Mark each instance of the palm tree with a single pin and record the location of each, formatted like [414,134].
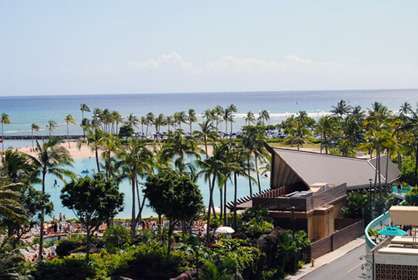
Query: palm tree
[212,171]
[83,108]
[169,122]
[341,109]
[116,120]
[51,158]
[149,121]
[206,132]
[4,119]
[143,121]
[298,128]
[326,127]
[109,144]
[10,207]
[217,114]
[253,140]
[409,126]
[177,148]
[69,119]
[51,126]
[239,168]
[263,117]
[136,161]
[93,139]
[250,118]
[191,118]
[133,121]
[158,122]
[34,127]
[231,109]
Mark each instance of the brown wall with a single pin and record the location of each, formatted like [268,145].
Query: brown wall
[336,240]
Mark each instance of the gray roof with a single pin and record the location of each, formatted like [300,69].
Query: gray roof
[314,168]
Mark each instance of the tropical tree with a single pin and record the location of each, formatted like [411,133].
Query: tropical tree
[250,118]
[83,108]
[253,140]
[94,201]
[409,128]
[341,109]
[263,117]
[158,122]
[178,147]
[109,144]
[10,206]
[51,126]
[191,118]
[4,119]
[136,160]
[69,119]
[326,127]
[298,128]
[34,127]
[94,138]
[149,121]
[207,132]
[51,158]
[116,120]
[174,195]
[211,169]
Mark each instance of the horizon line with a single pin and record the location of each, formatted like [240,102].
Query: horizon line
[208,92]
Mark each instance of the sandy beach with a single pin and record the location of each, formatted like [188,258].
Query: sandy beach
[76,151]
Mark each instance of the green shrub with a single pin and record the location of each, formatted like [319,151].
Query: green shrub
[151,261]
[74,268]
[67,246]
[116,237]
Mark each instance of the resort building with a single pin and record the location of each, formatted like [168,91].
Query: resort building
[396,257]
[308,189]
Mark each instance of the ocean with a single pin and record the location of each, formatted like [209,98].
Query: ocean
[25,110]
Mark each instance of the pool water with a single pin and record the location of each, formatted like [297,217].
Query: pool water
[53,187]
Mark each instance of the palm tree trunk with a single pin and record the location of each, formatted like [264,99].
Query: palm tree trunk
[221,207]
[209,208]
[97,158]
[190,128]
[2,141]
[32,141]
[387,167]
[206,146]
[224,205]
[68,135]
[416,164]
[235,199]
[41,233]
[249,178]
[258,174]
[133,214]
[82,119]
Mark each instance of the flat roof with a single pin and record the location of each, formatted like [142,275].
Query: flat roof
[404,215]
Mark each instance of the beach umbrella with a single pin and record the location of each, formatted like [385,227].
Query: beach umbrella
[224,230]
[392,231]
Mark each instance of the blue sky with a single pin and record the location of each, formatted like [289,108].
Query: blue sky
[94,47]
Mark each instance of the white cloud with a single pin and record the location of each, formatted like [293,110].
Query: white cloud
[245,65]
[165,60]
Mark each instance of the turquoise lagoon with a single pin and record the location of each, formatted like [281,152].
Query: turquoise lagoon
[54,186]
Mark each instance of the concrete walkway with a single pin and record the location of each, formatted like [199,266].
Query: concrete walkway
[326,259]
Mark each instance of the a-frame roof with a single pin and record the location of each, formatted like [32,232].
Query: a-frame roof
[315,168]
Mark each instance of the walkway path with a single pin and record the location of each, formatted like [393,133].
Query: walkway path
[342,264]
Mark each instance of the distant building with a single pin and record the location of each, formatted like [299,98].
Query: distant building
[308,189]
